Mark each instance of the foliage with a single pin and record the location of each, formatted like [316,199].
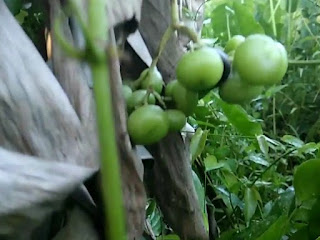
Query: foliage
[256,163]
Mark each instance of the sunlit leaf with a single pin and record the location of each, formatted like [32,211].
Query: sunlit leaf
[156,222]
[250,204]
[308,148]
[198,142]
[294,141]
[263,144]
[211,163]
[258,159]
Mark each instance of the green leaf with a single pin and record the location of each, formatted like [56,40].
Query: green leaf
[270,228]
[200,191]
[151,208]
[276,230]
[271,91]
[250,204]
[21,16]
[228,235]
[229,178]
[14,6]
[308,148]
[294,141]
[169,237]
[263,144]
[301,234]
[247,23]
[239,118]
[211,163]
[156,222]
[258,160]
[198,143]
[306,180]
[314,220]
[284,204]
[219,22]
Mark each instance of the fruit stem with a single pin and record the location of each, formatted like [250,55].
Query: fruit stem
[110,167]
[174,13]
[189,32]
[146,97]
[167,99]
[159,98]
[174,26]
[165,38]
[136,84]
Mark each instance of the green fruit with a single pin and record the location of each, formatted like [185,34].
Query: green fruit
[152,78]
[200,70]
[235,90]
[169,87]
[184,100]
[148,124]
[177,120]
[260,60]
[231,54]
[283,52]
[137,98]
[126,92]
[234,43]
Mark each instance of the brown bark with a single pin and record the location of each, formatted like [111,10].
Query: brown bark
[172,175]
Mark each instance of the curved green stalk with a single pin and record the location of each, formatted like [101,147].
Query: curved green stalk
[273,19]
[110,167]
[64,44]
[304,62]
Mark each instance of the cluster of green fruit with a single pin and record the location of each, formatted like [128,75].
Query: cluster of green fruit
[258,61]
[148,123]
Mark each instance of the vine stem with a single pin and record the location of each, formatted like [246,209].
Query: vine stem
[165,38]
[228,26]
[175,25]
[289,25]
[274,28]
[274,115]
[304,62]
[270,166]
[110,169]
[272,13]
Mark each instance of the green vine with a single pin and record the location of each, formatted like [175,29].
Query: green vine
[96,56]
[110,167]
